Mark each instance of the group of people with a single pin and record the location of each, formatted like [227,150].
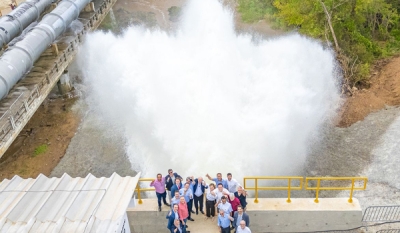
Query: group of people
[226,195]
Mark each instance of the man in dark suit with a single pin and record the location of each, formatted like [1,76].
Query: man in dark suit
[199,187]
[239,216]
[170,181]
[171,216]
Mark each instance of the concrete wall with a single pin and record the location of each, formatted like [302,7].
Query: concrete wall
[304,215]
[269,215]
[146,218]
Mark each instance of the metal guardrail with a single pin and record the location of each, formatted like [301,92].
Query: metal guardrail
[138,189]
[298,179]
[289,186]
[381,214]
[350,188]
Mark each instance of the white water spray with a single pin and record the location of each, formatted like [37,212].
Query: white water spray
[206,100]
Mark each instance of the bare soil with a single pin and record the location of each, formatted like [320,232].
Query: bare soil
[384,91]
[52,126]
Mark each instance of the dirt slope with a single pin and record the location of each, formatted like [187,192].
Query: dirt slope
[384,90]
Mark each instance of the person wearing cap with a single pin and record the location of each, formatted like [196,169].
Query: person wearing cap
[187,193]
[219,180]
[224,221]
[159,185]
[170,181]
[240,216]
[243,228]
[232,183]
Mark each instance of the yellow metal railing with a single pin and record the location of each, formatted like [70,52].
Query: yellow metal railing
[257,187]
[351,188]
[298,179]
[138,189]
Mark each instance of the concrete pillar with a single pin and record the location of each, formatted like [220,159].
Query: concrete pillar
[64,84]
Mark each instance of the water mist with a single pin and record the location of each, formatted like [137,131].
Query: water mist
[207,100]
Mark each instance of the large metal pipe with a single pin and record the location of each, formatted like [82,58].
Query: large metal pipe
[16,21]
[19,59]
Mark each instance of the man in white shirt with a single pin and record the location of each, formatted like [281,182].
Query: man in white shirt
[221,191]
[242,228]
[232,183]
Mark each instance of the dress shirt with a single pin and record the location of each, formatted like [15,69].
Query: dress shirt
[174,201]
[232,185]
[227,207]
[188,195]
[239,218]
[224,221]
[223,182]
[176,215]
[158,185]
[198,192]
[211,197]
[220,194]
[245,230]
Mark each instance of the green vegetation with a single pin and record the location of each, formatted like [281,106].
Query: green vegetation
[360,31]
[40,150]
[174,13]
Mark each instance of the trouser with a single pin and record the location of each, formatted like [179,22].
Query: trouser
[226,230]
[163,196]
[198,200]
[169,195]
[190,204]
[210,208]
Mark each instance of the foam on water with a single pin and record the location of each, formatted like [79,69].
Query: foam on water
[207,100]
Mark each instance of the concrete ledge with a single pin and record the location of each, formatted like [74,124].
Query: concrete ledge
[269,215]
[303,214]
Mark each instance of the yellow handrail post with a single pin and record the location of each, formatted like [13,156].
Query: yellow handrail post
[256,190]
[288,192]
[138,193]
[316,194]
[351,191]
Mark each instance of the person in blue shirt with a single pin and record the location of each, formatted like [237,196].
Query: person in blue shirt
[187,193]
[219,180]
[224,221]
[191,184]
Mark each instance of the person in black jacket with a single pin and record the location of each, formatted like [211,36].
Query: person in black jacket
[199,187]
[170,181]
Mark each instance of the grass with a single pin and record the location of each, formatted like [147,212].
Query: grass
[40,150]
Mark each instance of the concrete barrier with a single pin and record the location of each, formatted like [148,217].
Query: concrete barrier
[269,215]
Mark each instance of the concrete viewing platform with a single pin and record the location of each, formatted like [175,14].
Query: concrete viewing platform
[269,215]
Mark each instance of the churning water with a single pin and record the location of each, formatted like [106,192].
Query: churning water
[206,100]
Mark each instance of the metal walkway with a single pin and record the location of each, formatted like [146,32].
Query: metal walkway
[27,95]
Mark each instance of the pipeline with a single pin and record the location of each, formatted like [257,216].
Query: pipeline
[19,59]
[16,21]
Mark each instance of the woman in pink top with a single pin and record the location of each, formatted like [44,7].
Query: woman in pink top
[183,210]
[235,202]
